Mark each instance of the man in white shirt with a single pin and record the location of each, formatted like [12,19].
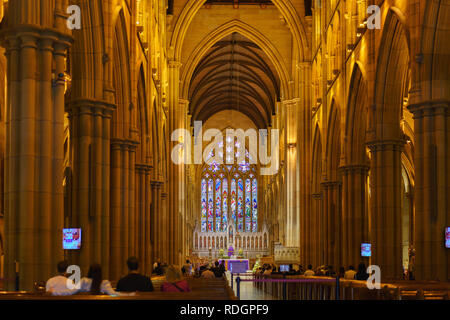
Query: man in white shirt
[350,273]
[309,272]
[58,284]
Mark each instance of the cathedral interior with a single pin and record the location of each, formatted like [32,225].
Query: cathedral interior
[355,93]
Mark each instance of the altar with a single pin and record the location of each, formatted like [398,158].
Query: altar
[236,265]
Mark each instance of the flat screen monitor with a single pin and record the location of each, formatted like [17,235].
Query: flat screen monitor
[284,268]
[447,237]
[366,249]
[72,239]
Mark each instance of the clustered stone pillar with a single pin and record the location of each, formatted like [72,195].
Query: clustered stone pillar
[432,188]
[90,124]
[34,170]
[385,219]
[143,217]
[157,238]
[174,203]
[331,222]
[354,216]
[123,215]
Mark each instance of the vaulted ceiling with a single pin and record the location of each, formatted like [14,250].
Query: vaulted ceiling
[235,74]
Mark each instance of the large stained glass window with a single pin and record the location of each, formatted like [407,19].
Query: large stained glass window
[229,195]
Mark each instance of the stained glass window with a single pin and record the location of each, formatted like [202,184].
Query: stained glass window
[210,205]
[233,201]
[248,206]
[255,205]
[229,194]
[224,204]
[218,205]
[240,206]
[203,205]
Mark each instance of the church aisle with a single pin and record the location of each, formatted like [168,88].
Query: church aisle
[249,291]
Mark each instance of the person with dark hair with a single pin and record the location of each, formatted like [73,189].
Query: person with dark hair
[218,272]
[330,271]
[362,273]
[309,272]
[350,273]
[57,285]
[94,283]
[341,272]
[134,281]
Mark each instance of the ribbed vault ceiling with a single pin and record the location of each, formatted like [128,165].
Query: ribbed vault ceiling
[234,74]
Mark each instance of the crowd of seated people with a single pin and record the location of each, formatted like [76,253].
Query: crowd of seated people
[130,284]
[210,271]
[324,270]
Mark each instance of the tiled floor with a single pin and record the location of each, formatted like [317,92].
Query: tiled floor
[248,291]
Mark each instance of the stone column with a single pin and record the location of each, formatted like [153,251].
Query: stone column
[354,216]
[122,205]
[432,188]
[332,222]
[385,215]
[34,139]
[142,223]
[292,170]
[173,204]
[90,126]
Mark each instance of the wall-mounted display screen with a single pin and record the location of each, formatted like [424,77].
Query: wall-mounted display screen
[284,268]
[72,239]
[447,237]
[366,249]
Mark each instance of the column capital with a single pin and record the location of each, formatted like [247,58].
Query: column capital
[379,145]
[124,144]
[33,31]
[145,168]
[430,108]
[354,168]
[91,106]
[174,64]
[330,184]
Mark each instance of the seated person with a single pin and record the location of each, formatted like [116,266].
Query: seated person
[268,271]
[57,285]
[309,272]
[208,274]
[217,270]
[350,273]
[134,281]
[174,282]
[94,284]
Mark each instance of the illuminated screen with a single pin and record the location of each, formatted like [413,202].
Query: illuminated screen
[366,249]
[284,268]
[447,237]
[71,239]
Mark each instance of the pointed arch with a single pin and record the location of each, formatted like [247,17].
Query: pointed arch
[143,149]
[333,142]
[226,29]
[391,75]
[286,8]
[121,79]
[356,119]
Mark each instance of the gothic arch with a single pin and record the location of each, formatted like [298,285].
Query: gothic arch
[122,80]
[333,145]
[356,119]
[294,21]
[221,32]
[391,75]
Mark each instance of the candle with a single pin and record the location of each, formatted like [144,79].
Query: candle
[17,266]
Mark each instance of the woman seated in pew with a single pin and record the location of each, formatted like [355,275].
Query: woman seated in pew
[94,283]
[174,282]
